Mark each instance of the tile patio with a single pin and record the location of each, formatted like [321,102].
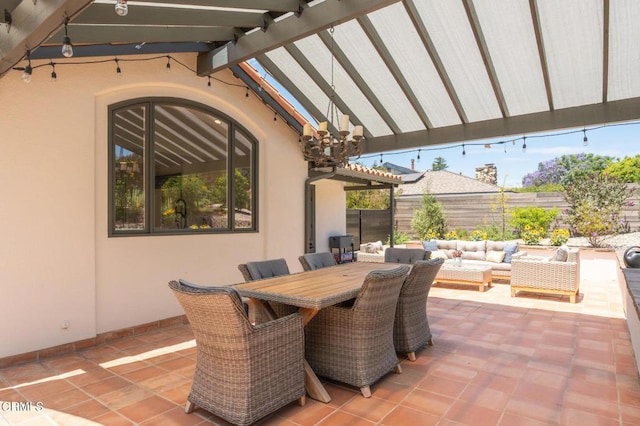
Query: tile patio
[497,360]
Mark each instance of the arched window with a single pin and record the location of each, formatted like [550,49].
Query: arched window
[169,167]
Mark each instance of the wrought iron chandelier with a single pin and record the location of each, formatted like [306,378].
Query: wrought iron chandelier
[328,149]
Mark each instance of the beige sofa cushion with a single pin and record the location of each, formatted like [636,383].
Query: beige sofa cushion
[473,250]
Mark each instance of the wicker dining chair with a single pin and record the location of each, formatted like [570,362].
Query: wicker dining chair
[261,269]
[243,372]
[313,261]
[354,344]
[411,329]
[405,255]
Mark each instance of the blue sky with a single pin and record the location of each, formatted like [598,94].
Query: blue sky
[615,140]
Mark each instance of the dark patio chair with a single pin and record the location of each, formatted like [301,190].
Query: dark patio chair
[354,345]
[313,261]
[405,255]
[411,327]
[261,269]
[243,372]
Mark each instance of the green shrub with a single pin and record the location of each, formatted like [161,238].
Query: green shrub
[532,218]
[478,235]
[398,238]
[559,236]
[532,235]
[494,232]
[429,219]
[595,206]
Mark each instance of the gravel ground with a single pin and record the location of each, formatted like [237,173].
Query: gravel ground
[620,243]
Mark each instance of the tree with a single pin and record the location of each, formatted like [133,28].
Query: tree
[567,168]
[429,220]
[595,206]
[374,199]
[627,170]
[439,163]
[500,204]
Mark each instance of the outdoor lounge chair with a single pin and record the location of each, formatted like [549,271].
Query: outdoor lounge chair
[261,269]
[313,261]
[354,344]
[411,327]
[558,275]
[405,255]
[243,372]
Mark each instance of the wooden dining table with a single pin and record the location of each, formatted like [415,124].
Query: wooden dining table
[311,291]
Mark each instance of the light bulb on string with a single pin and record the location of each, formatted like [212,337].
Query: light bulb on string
[524,144]
[418,155]
[67,47]
[209,81]
[585,140]
[122,8]
[463,150]
[118,70]
[168,67]
[27,70]
[54,75]
[246,95]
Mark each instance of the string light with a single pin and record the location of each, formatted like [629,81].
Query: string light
[524,144]
[275,116]
[27,70]
[168,67]
[54,76]
[463,151]
[67,47]
[209,82]
[122,8]
[585,140]
[246,95]
[118,70]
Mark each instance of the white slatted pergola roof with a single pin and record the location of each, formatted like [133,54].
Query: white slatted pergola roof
[412,72]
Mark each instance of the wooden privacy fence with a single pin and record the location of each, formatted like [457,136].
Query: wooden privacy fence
[368,225]
[469,211]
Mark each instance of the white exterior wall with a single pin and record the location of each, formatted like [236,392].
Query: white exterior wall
[56,262]
[331,218]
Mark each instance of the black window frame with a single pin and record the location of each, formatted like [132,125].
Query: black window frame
[149,172]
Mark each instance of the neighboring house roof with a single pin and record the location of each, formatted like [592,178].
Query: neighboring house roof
[445,182]
[399,170]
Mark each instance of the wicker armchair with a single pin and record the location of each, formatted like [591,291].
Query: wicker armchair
[354,344]
[405,255]
[312,261]
[243,372]
[261,269]
[411,327]
[554,276]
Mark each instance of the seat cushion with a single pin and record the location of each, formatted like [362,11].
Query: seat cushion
[430,245]
[268,268]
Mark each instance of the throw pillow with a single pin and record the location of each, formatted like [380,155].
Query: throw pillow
[438,254]
[562,254]
[495,256]
[430,245]
[509,250]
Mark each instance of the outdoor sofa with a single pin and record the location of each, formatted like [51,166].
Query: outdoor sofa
[495,254]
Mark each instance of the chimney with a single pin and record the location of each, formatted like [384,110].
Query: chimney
[487,173]
[412,163]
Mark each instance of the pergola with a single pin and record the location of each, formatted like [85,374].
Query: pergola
[413,72]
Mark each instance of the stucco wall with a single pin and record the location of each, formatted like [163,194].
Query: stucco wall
[56,262]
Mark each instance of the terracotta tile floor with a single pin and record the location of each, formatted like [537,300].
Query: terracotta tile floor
[497,360]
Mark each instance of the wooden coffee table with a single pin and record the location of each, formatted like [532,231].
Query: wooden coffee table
[474,275]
